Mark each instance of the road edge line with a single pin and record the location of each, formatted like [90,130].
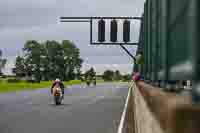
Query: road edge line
[120,127]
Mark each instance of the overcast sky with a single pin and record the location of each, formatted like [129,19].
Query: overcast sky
[22,20]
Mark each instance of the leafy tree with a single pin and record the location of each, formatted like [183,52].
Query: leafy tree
[108,75]
[2,62]
[117,75]
[54,60]
[19,69]
[32,51]
[51,59]
[72,59]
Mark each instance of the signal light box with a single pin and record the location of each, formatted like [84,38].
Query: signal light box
[102,29]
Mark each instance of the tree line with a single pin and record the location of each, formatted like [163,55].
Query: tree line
[108,75]
[52,59]
[49,60]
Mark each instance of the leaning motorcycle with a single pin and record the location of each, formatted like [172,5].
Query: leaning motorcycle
[58,96]
[88,82]
[94,82]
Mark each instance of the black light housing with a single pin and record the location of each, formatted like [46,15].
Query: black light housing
[113,31]
[126,31]
[101,30]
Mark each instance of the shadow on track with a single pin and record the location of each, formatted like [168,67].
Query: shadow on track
[61,105]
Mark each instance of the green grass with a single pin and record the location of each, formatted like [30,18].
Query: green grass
[12,87]
[102,81]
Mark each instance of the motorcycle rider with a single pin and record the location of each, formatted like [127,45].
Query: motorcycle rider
[60,84]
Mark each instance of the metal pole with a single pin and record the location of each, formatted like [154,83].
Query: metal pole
[136,18]
[130,56]
[128,52]
[91,26]
[75,21]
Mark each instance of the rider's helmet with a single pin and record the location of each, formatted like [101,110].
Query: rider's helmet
[57,80]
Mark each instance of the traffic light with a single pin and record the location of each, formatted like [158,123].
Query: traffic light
[113,31]
[126,31]
[101,30]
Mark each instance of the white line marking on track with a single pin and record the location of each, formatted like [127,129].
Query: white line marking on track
[120,128]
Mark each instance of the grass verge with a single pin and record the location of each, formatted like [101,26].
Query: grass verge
[12,87]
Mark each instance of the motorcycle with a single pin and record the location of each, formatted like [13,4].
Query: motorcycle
[88,83]
[94,82]
[58,96]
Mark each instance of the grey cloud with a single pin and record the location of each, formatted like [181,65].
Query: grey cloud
[21,13]
[80,38]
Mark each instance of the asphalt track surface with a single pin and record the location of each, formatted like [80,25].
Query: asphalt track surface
[84,110]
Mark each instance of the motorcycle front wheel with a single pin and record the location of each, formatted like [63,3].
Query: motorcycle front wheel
[57,100]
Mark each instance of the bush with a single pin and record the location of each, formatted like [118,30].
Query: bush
[108,75]
[126,78]
[3,76]
[13,80]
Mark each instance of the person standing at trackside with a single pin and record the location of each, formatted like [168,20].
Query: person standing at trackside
[136,76]
[59,83]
